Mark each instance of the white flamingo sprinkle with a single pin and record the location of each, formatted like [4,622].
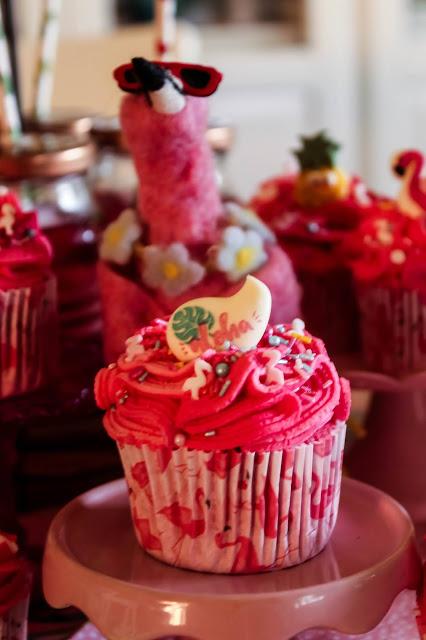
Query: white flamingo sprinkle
[197,382]
[273,374]
[134,347]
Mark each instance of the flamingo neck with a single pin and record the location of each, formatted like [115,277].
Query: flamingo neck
[411,199]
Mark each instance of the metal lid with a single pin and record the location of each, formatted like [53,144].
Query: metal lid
[45,155]
[64,121]
[106,132]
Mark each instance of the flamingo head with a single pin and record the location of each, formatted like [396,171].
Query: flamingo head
[165,84]
[404,159]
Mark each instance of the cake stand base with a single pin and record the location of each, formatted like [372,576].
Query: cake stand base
[92,561]
[392,456]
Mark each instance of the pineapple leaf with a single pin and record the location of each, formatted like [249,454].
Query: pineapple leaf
[317,152]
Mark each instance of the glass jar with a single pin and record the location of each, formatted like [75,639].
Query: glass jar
[49,172]
[62,121]
[114,179]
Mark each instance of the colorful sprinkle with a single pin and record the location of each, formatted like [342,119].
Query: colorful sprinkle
[143,376]
[224,388]
[210,434]
[274,341]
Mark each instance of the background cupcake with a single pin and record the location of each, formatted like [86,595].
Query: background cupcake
[311,212]
[232,456]
[14,590]
[27,301]
[388,259]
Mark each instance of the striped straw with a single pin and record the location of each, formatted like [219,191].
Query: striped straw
[12,120]
[165,27]
[48,44]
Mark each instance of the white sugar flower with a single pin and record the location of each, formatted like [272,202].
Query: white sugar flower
[170,269]
[119,237]
[247,218]
[240,252]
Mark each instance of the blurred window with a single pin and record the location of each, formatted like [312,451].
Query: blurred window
[213,12]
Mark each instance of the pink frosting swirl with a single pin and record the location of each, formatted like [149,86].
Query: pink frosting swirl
[25,253]
[14,574]
[284,392]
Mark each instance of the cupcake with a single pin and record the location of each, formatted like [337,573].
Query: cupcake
[387,255]
[183,242]
[311,212]
[14,590]
[231,435]
[27,301]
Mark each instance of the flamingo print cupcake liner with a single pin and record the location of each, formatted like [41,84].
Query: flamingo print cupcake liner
[14,623]
[231,512]
[399,318]
[27,337]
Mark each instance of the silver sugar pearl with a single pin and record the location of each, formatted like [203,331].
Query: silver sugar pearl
[313,227]
[222,369]
[274,341]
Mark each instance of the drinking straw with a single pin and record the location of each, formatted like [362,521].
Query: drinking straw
[11,117]
[165,27]
[48,44]
[10,31]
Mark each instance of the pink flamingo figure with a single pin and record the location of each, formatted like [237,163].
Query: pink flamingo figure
[164,121]
[191,523]
[407,166]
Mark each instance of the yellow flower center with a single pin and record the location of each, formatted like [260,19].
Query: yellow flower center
[115,235]
[244,257]
[171,270]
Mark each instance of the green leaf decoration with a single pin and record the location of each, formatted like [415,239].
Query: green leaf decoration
[317,152]
[186,321]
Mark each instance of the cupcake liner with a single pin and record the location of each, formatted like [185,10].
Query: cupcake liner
[235,512]
[27,337]
[14,624]
[393,328]
[330,309]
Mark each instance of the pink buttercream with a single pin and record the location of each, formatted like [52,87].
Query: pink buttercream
[14,574]
[25,253]
[146,404]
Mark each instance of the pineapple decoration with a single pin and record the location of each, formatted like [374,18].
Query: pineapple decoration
[319,181]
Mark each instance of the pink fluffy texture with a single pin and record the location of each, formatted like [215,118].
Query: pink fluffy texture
[128,305]
[178,194]
[253,414]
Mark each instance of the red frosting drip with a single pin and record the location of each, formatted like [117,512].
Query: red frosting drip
[25,253]
[14,574]
[146,404]
[389,250]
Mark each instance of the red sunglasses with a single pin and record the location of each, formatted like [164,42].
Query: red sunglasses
[197,80]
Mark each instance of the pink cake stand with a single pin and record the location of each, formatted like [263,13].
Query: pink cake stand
[392,456]
[92,561]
